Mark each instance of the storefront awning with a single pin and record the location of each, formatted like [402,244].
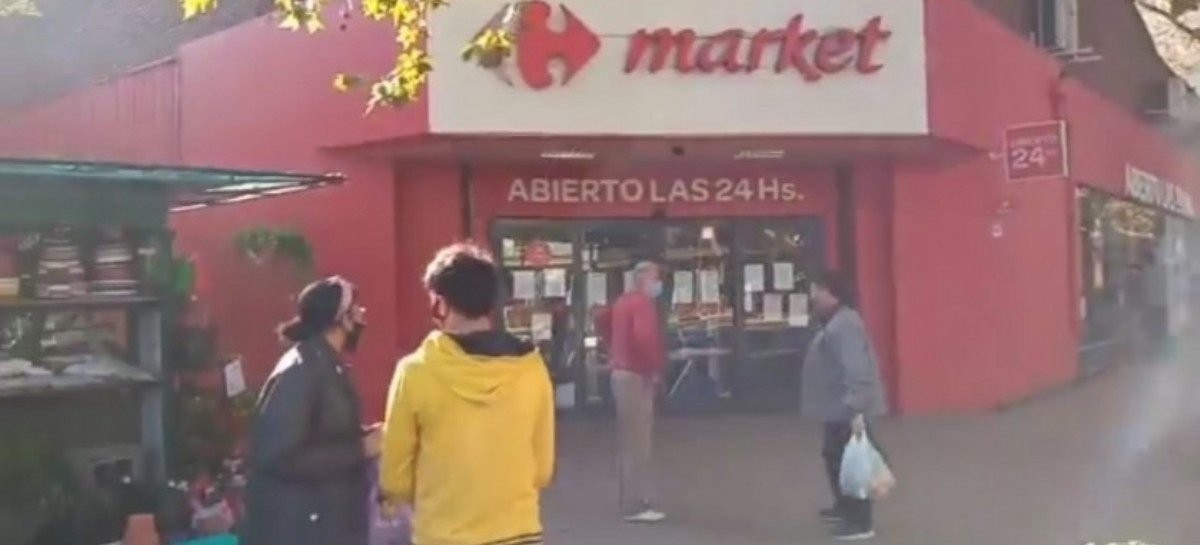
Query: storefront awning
[189,188]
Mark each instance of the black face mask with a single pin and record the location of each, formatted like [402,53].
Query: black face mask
[353,337]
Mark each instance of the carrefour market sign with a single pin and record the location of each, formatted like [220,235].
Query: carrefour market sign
[1148,189]
[651,190]
[684,67]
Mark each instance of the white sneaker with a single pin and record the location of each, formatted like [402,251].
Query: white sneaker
[649,516]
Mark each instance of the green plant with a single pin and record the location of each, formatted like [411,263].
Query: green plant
[172,277]
[266,245]
[37,483]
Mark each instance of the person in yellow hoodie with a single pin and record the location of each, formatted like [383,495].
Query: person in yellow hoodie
[468,439]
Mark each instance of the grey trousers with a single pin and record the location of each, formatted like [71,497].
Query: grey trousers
[634,398]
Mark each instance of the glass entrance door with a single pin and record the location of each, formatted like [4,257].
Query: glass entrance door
[540,264]
[609,252]
[777,259]
[734,308]
[698,306]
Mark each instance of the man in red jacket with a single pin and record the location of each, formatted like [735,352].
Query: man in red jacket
[638,356]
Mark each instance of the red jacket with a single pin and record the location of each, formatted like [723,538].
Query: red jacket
[637,343]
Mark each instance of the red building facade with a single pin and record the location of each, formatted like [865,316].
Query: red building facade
[876,147]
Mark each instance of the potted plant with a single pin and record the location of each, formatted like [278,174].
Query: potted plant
[270,246]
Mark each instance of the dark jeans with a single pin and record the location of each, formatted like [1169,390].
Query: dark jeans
[858,512]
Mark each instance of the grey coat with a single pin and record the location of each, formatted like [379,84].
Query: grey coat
[841,376]
[308,473]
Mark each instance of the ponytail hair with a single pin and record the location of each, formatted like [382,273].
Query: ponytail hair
[318,308]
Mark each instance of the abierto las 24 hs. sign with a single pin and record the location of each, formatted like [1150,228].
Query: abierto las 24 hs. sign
[1149,189]
[686,67]
[651,190]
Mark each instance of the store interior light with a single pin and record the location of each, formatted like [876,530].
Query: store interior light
[759,154]
[569,155]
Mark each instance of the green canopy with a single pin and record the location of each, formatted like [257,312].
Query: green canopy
[37,191]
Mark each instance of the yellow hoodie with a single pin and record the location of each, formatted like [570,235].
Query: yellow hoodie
[468,440]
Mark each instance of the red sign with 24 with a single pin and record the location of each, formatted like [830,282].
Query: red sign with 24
[1036,150]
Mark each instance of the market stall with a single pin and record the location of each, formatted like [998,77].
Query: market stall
[83,252]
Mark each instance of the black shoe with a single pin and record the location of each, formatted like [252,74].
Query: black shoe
[832,514]
[852,532]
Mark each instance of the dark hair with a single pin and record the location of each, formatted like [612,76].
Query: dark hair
[837,284]
[466,278]
[317,309]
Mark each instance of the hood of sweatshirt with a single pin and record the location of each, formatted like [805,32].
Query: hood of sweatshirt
[479,367]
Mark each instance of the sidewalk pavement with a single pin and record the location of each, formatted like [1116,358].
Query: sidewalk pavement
[1115,459]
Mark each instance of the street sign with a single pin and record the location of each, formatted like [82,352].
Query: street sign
[1036,150]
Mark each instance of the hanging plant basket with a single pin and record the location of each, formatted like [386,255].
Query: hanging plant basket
[264,246]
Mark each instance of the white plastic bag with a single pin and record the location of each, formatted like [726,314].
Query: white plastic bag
[864,473]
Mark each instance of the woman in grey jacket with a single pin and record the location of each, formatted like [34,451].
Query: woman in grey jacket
[842,390]
[308,464]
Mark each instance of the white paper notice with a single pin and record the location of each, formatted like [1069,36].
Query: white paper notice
[555,282]
[784,276]
[235,379]
[798,310]
[772,307]
[710,286]
[628,284]
[685,288]
[541,326]
[560,249]
[754,276]
[748,302]
[523,285]
[597,288]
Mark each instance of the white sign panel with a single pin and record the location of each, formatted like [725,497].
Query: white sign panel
[1149,189]
[235,378]
[685,67]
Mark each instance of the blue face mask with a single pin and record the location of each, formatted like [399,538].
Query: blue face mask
[654,289]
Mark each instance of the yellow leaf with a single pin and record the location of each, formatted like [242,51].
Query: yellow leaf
[192,8]
[346,82]
[408,35]
[313,24]
[290,22]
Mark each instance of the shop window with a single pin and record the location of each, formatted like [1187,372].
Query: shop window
[1119,242]
[1056,24]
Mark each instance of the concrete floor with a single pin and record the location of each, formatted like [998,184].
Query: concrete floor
[1117,458]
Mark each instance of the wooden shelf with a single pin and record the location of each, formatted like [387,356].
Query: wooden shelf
[62,384]
[91,301]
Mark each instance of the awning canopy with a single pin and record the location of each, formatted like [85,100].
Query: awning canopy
[188,188]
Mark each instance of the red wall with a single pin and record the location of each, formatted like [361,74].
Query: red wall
[428,216]
[873,194]
[134,118]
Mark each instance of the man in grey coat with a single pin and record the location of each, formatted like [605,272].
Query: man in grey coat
[842,390]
